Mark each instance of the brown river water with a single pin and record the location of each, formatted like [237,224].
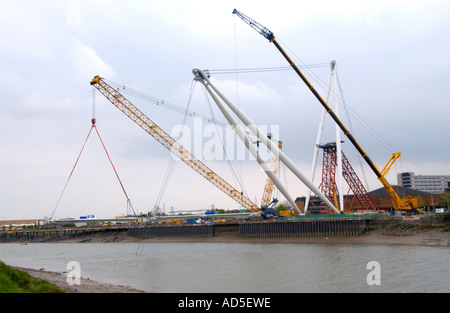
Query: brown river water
[244,267]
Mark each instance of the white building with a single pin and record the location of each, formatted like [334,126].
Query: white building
[428,183]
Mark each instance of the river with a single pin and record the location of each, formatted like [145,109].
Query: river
[245,267]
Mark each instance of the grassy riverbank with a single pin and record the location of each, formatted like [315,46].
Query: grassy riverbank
[16,281]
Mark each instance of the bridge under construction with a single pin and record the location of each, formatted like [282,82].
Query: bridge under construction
[329,193]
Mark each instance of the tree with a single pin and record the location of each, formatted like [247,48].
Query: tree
[444,199]
[420,202]
[284,206]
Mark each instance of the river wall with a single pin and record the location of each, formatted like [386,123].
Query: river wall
[193,231]
[260,229]
[43,235]
[305,227]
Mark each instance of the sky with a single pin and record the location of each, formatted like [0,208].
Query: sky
[393,69]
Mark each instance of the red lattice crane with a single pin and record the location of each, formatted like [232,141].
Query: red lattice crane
[328,185]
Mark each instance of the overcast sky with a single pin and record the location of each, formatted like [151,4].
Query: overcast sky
[393,67]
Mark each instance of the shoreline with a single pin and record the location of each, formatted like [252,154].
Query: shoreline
[435,236]
[86,285]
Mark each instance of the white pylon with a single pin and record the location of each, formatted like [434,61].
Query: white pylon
[332,80]
[263,138]
[338,138]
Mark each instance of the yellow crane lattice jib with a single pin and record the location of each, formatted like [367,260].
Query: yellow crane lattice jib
[119,101]
[270,186]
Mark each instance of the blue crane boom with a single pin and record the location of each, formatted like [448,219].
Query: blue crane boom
[265,32]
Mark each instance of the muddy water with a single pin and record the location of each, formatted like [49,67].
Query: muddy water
[245,267]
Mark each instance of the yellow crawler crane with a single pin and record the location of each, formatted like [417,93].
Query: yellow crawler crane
[398,203]
[408,202]
[118,100]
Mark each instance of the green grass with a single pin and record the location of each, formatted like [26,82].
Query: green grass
[16,281]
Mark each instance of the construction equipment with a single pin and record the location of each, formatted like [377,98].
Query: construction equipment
[262,137]
[410,201]
[269,186]
[93,126]
[332,80]
[398,203]
[328,178]
[269,211]
[124,105]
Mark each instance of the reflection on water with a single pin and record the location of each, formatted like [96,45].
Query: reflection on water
[242,267]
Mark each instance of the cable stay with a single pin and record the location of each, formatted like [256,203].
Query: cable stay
[215,95]
[264,69]
[162,103]
[171,165]
[399,204]
[137,116]
[269,35]
[339,96]
[93,126]
[233,168]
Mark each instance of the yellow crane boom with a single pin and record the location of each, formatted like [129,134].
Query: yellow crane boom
[118,100]
[269,186]
[398,203]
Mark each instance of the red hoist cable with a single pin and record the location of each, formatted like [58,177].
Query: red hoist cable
[104,147]
[76,162]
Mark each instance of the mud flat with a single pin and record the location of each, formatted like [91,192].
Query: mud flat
[86,285]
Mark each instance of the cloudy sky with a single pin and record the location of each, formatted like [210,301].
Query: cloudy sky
[393,67]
